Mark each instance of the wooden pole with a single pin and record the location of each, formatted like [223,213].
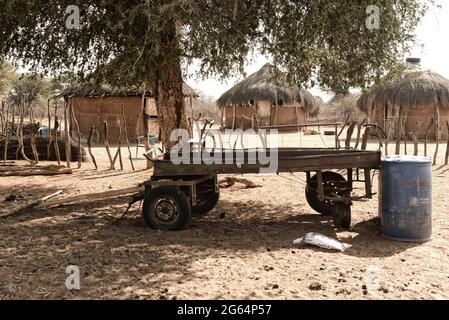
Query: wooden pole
[30,205]
[68,151]
[398,135]
[106,144]
[89,146]
[146,129]
[21,147]
[359,132]
[437,134]
[118,153]
[426,134]
[446,159]
[33,143]
[50,136]
[78,133]
[55,139]
[5,155]
[139,122]
[126,137]
[337,138]
[221,118]
[349,135]
[365,138]
[416,137]
[234,117]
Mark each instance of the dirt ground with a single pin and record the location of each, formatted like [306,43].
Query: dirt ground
[247,255]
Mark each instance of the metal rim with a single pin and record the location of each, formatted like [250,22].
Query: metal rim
[164,210]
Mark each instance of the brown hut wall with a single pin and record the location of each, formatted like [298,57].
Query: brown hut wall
[94,110]
[229,114]
[423,114]
[287,115]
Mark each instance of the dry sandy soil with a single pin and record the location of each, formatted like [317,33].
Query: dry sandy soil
[247,255]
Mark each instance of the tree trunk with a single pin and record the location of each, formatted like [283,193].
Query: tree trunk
[168,88]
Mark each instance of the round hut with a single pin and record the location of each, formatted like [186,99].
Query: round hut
[420,98]
[265,98]
[92,104]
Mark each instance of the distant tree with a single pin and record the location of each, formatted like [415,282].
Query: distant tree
[335,43]
[28,91]
[7,76]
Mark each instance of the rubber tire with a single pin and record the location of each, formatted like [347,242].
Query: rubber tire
[342,215]
[312,195]
[203,207]
[182,202]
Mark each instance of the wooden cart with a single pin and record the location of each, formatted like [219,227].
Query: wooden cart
[174,192]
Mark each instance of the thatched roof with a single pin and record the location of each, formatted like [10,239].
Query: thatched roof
[267,84]
[92,90]
[415,88]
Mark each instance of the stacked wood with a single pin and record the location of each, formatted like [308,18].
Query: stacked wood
[41,145]
[24,171]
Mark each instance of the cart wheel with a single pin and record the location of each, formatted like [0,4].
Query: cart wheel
[166,208]
[207,202]
[333,183]
[342,215]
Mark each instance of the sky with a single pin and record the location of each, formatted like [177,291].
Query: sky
[432,47]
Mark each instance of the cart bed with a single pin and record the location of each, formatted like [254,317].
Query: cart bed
[289,160]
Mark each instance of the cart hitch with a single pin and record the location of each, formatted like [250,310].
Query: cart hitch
[134,198]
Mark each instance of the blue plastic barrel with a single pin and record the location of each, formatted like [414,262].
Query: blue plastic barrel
[406,198]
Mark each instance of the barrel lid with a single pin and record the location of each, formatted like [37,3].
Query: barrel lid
[405,158]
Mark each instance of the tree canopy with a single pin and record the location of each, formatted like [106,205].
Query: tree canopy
[142,42]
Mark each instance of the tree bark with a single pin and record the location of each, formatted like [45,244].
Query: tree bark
[168,88]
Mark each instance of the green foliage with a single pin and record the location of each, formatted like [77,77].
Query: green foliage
[29,89]
[7,76]
[323,42]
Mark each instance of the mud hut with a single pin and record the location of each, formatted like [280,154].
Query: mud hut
[266,98]
[94,104]
[416,98]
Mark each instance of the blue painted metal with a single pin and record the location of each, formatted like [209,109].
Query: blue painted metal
[43,132]
[406,199]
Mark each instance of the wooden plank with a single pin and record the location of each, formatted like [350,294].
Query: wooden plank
[94,196]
